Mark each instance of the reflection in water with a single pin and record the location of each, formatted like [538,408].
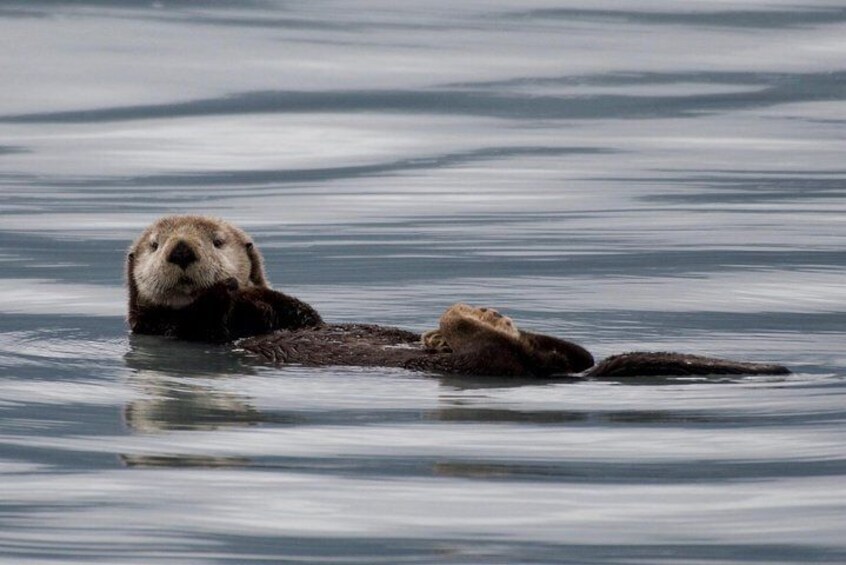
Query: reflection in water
[195,395]
[162,372]
[169,356]
[462,382]
[135,460]
[181,406]
[557,417]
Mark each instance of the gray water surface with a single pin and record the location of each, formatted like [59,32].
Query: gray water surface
[651,175]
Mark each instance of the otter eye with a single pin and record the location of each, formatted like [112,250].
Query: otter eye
[217,242]
[154,245]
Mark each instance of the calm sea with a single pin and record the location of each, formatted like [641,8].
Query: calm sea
[630,175]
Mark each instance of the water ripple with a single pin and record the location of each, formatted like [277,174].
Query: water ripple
[629,177]
[775,89]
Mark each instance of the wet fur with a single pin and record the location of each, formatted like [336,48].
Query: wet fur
[223,295]
[228,296]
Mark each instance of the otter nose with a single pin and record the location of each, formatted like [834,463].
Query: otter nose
[182,255]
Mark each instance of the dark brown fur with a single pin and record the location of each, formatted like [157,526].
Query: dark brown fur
[224,305]
[489,353]
[379,346]
[642,363]
[224,313]
[229,297]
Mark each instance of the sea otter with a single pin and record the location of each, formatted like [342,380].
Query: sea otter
[202,279]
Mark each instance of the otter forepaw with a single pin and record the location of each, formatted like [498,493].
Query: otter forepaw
[220,291]
[279,310]
[434,340]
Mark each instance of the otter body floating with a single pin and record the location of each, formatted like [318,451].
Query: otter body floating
[202,279]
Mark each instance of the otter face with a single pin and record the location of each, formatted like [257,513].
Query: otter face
[179,256]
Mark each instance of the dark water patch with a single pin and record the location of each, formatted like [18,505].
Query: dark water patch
[21,13]
[136,4]
[651,78]
[632,472]
[60,326]
[653,323]
[561,472]
[107,422]
[91,260]
[822,121]
[118,200]
[753,187]
[8,177]
[265,21]
[356,263]
[609,419]
[66,460]
[733,198]
[458,548]
[809,184]
[317,175]
[744,19]
[233,548]
[12,150]
[58,353]
[360,24]
[183,406]
[27,368]
[747,19]
[775,89]
[65,419]
[779,173]
[22,365]
[179,359]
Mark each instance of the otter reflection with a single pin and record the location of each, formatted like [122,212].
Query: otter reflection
[179,391]
[163,371]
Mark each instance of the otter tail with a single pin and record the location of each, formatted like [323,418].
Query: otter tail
[646,364]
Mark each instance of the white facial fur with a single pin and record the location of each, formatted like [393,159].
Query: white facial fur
[220,249]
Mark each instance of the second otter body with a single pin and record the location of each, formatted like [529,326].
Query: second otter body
[202,279]
[363,345]
[379,346]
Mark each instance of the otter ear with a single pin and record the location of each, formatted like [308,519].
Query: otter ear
[256,265]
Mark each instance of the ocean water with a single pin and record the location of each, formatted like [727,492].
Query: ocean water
[629,175]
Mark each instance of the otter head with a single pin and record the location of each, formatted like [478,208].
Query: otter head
[179,256]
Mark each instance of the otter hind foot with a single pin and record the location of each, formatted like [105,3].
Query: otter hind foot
[462,326]
[493,340]
[464,323]
[649,364]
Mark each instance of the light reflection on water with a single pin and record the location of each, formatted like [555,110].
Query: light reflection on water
[630,177]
